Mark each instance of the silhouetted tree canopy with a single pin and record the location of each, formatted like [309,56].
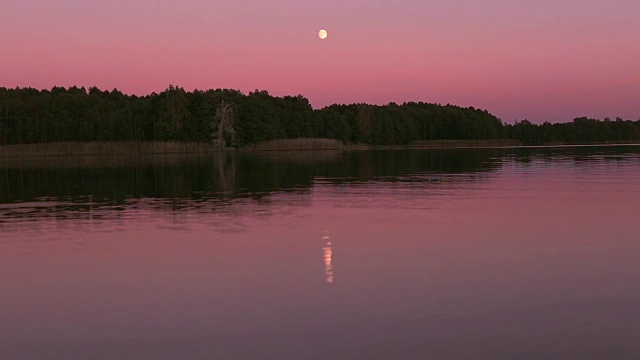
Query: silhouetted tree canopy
[77,114]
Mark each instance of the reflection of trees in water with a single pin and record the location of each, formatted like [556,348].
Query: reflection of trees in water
[225,165]
[298,157]
[210,183]
[218,182]
[575,155]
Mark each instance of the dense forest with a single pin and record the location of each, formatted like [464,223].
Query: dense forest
[77,114]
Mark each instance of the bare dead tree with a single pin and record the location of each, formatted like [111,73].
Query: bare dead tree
[222,126]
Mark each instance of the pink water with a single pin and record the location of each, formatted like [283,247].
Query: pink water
[536,257]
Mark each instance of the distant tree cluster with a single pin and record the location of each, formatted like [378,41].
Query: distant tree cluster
[581,131]
[77,114]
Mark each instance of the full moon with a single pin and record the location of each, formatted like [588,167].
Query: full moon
[322,34]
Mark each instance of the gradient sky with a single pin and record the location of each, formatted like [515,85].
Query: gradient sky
[540,60]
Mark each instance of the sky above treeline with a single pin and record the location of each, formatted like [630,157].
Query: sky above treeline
[544,60]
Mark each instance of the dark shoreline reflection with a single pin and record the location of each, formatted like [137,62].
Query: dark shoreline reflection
[179,183]
[577,154]
[107,186]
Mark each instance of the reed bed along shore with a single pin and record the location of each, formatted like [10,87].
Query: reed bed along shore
[331,144]
[19,152]
[102,148]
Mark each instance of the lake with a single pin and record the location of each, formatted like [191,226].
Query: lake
[529,253]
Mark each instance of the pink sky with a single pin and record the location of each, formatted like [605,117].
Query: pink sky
[541,60]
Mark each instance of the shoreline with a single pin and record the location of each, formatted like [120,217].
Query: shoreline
[123,149]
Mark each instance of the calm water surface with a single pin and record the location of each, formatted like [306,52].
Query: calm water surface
[442,254]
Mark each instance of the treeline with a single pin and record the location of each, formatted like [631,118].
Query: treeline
[77,114]
[581,131]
